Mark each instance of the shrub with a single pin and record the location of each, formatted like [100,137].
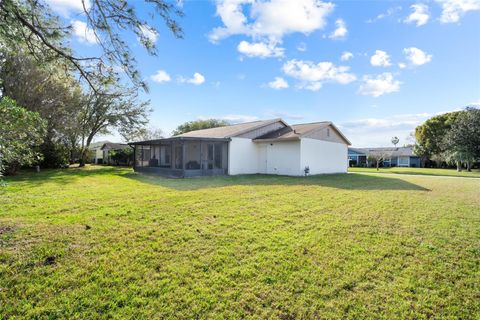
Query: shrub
[21,132]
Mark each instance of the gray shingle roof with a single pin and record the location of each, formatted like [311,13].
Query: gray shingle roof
[228,131]
[98,144]
[392,151]
[115,146]
[297,131]
[294,131]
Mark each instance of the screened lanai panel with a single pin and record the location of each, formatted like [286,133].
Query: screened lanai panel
[178,155]
[165,156]
[142,156]
[193,155]
[221,155]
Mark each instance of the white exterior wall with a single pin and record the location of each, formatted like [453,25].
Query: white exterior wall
[242,156]
[282,158]
[98,155]
[248,157]
[323,156]
[286,157]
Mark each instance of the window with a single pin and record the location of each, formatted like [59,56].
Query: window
[328,132]
[403,161]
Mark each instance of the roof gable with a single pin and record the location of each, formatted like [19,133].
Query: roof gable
[326,124]
[303,130]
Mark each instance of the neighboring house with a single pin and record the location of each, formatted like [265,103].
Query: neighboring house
[96,153]
[108,147]
[269,147]
[395,157]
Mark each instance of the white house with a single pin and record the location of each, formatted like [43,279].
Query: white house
[96,152]
[268,147]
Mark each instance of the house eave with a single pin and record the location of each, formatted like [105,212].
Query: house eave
[172,139]
[277,139]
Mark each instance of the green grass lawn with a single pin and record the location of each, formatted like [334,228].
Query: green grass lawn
[104,242]
[422,171]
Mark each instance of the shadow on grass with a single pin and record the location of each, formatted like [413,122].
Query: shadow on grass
[339,181]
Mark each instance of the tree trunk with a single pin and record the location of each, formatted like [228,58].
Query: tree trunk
[439,163]
[459,166]
[378,165]
[83,158]
[422,163]
[469,166]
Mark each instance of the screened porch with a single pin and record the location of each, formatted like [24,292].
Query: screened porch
[182,157]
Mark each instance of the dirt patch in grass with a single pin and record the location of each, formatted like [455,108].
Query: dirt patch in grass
[6,234]
[4,229]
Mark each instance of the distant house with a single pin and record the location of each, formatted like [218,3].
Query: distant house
[269,147]
[107,149]
[395,157]
[96,152]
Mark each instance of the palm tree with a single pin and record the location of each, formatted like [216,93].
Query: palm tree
[395,141]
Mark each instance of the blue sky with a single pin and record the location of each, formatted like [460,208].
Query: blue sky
[375,68]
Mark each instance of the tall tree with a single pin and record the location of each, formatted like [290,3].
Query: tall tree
[31,24]
[430,135]
[110,109]
[21,132]
[48,90]
[395,140]
[198,125]
[462,142]
[143,134]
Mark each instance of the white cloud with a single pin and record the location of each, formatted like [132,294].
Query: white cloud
[302,47]
[452,10]
[388,13]
[197,79]
[420,14]
[312,75]
[259,49]
[340,31]
[149,33]
[83,33]
[377,132]
[346,56]
[268,21]
[416,56]
[278,83]
[310,86]
[402,65]
[381,84]
[161,76]
[380,59]
[67,7]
